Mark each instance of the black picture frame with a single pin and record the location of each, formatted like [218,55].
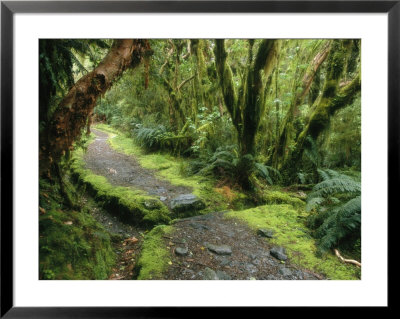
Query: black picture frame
[9,8]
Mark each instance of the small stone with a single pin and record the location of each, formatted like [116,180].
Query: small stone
[186,202]
[222,275]
[269,233]
[163,198]
[250,268]
[219,250]
[279,253]
[285,272]
[181,251]
[209,274]
[225,261]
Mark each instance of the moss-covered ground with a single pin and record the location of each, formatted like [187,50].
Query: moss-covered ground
[291,233]
[154,258]
[72,244]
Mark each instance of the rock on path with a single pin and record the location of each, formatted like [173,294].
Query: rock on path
[218,248]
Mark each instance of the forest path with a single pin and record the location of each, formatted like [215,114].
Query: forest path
[201,247]
[124,170]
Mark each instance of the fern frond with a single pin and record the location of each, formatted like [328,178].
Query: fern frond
[335,185]
[314,202]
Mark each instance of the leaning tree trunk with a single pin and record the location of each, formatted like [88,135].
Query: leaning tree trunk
[71,115]
[301,92]
[334,97]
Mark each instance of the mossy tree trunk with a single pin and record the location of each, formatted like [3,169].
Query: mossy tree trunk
[302,89]
[72,113]
[246,104]
[335,95]
[172,86]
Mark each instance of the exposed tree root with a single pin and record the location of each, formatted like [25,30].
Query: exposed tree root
[349,261]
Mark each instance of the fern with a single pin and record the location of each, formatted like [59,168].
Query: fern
[334,220]
[334,186]
[269,173]
[314,202]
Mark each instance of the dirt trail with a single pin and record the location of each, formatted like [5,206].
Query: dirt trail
[123,170]
[202,247]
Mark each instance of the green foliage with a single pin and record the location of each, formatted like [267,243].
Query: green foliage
[225,162]
[270,174]
[159,138]
[341,143]
[335,204]
[278,197]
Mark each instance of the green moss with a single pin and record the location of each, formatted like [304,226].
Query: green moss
[125,202]
[154,258]
[292,234]
[72,244]
[278,197]
[168,168]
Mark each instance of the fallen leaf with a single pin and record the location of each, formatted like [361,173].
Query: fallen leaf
[131,240]
[68,223]
[170,263]
[42,210]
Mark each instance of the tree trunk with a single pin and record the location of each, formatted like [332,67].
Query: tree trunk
[246,108]
[305,85]
[71,115]
[333,98]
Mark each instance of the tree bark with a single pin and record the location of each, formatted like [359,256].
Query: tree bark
[71,115]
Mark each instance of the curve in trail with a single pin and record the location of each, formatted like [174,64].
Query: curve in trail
[124,170]
[250,256]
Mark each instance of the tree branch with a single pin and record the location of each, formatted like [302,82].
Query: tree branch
[349,261]
[184,82]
